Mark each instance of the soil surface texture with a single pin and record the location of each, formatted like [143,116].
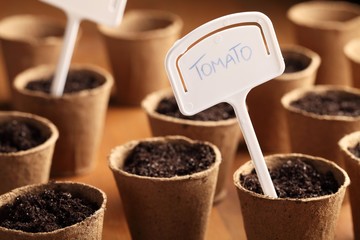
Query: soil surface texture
[221,111]
[294,179]
[76,81]
[46,211]
[294,65]
[169,159]
[16,135]
[333,103]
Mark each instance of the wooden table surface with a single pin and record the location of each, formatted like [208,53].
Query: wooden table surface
[127,123]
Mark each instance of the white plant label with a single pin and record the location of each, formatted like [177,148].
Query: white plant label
[107,12]
[221,61]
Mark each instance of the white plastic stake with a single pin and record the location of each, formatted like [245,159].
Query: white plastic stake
[221,61]
[239,104]
[58,84]
[108,12]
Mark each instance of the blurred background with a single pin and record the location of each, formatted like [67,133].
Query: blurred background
[193,13]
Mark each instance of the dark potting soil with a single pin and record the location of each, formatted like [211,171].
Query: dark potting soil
[77,80]
[16,135]
[334,103]
[169,159]
[46,211]
[294,65]
[221,111]
[355,150]
[294,179]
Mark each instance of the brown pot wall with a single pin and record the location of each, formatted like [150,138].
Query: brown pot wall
[31,166]
[264,101]
[79,117]
[28,41]
[352,167]
[284,218]
[137,49]
[314,134]
[325,27]
[165,208]
[352,53]
[225,134]
[90,228]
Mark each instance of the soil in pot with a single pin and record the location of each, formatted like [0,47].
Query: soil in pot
[334,103]
[294,179]
[221,111]
[169,159]
[77,80]
[17,135]
[294,64]
[45,211]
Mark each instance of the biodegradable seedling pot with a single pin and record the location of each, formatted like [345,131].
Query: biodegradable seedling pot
[315,134]
[352,53]
[225,134]
[90,228]
[30,166]
[165,208]
[264,101]
[289,218]
[137,49]
[325,27]
[28,41]
[352,167]
[79,117]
